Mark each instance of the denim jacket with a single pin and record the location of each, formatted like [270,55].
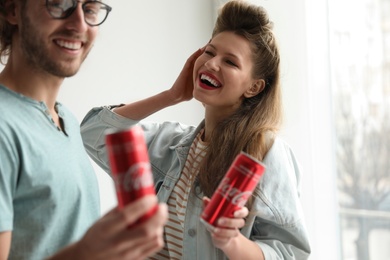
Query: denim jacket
[275,221]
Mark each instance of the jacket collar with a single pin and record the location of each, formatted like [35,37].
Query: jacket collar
[188,139]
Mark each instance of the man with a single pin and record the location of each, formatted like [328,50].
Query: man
[48,191]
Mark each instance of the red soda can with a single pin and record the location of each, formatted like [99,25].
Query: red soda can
[234,190]
[130,166]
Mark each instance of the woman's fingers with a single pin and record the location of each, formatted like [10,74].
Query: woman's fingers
[231,223]
[206,201]
[241,213]
[225,233]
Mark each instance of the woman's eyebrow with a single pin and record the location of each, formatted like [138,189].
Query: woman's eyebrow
[230,54]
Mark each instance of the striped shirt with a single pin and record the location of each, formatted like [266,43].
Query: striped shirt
[177,202]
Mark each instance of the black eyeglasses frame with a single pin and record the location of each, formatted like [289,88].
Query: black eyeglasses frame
[69,11]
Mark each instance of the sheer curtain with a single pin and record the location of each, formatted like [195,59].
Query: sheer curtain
[360,67]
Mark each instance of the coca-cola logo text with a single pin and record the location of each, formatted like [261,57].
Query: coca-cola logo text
[233,194]
[137,177]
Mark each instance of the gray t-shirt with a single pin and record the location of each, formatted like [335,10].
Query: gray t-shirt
[49,192]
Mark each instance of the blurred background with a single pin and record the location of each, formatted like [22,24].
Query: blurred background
[336,91]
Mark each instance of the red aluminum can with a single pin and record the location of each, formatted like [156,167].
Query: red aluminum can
[234,190]
[130,166]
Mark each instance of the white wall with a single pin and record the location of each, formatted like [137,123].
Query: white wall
[140,50]
[142,47]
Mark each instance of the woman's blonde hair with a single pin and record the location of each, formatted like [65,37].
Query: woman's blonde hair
[251,128]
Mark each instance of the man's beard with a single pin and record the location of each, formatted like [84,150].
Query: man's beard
[36,53]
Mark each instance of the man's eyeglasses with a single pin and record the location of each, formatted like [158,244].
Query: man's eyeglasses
[95,12]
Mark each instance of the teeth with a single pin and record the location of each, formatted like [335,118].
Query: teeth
[69,45]
[212,81]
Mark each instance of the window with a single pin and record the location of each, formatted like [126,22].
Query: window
[359,33]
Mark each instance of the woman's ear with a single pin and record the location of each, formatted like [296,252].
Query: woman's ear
[256,88]
[10,8]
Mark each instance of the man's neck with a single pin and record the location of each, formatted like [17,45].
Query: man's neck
[34,84]
[41,87]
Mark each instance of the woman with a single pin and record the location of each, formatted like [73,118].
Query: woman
[236,77]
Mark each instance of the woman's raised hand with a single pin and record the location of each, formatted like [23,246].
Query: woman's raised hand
[183,87]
